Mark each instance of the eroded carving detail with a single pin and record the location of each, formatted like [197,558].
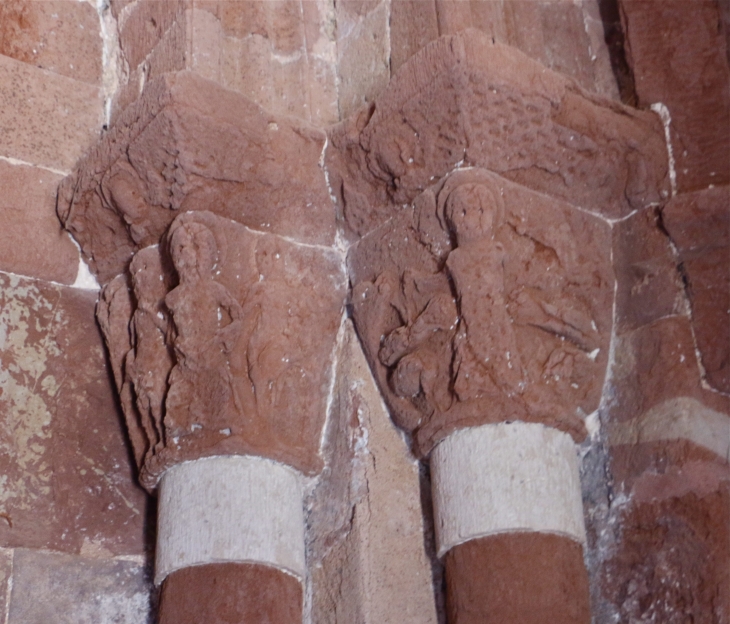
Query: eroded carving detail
[483,302]
[224,345]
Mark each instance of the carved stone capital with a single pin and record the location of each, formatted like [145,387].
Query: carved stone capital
[484,302]
[209,223]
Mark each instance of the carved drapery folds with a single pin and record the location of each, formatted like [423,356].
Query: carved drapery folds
[228,347]
[478,192]
[484,302]
[209,224]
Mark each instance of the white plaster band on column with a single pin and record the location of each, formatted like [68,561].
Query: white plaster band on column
[506,477]
[230,509]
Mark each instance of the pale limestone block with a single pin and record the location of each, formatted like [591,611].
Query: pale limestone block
[506,477]
[230,509]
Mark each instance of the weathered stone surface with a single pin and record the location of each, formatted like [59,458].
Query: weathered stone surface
[531,578]
[555,33]
[60,36]
[189,144]
[649,284]
[282,55]
[413,25]
[235,593]
[678,55]
[6,571]
[27,206]
[76,590]
[46,119]
[144,25]
[363,55]
[238,328]
[671,564]
[464,100]
[664,469]
[654,364]
[699,225]
[485,302]
[66,480]
[366,544]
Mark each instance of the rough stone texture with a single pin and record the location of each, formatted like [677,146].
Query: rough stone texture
[280,54]
[27,205]
[74,590]
[230,509]
[144,24]
[363,53]
[530,578]
[66,479]
[57,35]
[649,284]
[699,226]
[565,36]
[6,572]
[366,549]
[656,363]
[671,563]
[508,477]
[677,52]
[46,119]
[465,101]
[235,593]
[485,302]
[239,328]
[188,144]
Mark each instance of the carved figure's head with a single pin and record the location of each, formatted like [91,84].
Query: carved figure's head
[485,302]
[194,251]
[473,211]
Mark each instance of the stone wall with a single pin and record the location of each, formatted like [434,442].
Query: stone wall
[75,529]
[76,532]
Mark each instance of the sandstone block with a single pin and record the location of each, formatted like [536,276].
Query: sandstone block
[144,25]
[678,56]
[189,144]
[657,363]
[649,284]
[46,119]
[485,302]
[529,578]
[67,483]
[699,225]
[363,60]
[60,36]
[6,571]
[234,592]
[671,563]
[465,101]
[413,25]
[31,239]
[75,590]
[280,22]
[238,327]
[366,554]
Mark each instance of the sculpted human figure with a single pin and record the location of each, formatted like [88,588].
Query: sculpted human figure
[207,324]
[149,361]
[482,303]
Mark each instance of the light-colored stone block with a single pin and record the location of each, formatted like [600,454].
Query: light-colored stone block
[230,509]
[506,477]
[61,589]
